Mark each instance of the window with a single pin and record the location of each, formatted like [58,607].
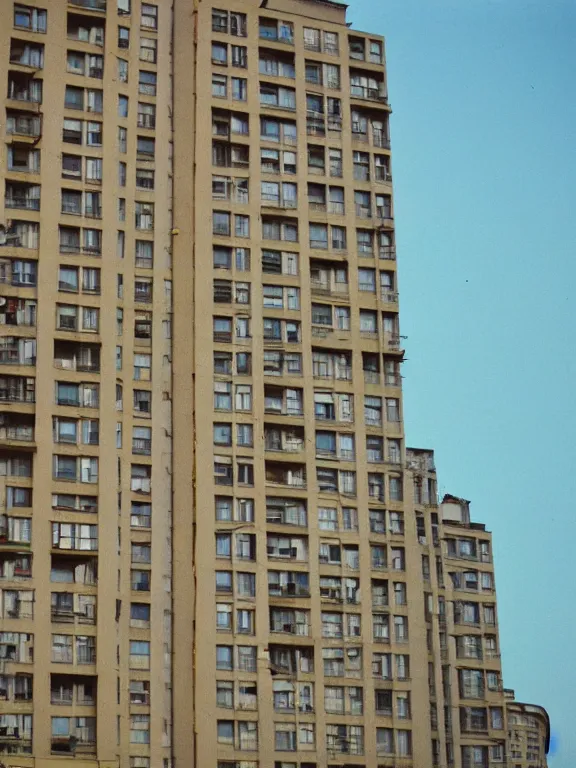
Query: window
[229,22]
[275,30]
[219,86]
[32,19]
[123,37]
[122,70]
[147,83]
[149,16]
[239,89]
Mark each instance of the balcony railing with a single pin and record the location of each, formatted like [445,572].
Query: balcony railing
[372,377]
[19,432]
[387,252]
[363,211]
[380,139]
[91,5]
[141,446]
[146,121]
[370,94]
[86,250]
[73,364]
[16,396]
[324,288]
[21,201]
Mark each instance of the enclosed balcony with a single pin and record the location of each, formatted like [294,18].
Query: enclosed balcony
[370,127]
[72,608]
[329,280]
[15,734]
[70,690]
[288,584]
[291,660]
[17,389]
[20,233]
[74,537]
[85,29]
[73,569]
[16,647]
[18,312]
[15,532]
[331,365]
[289,621]
[280,511]
[26,54]
[74,240]
[16,350]
[23,126]
[287,475]
[72,356]
[283,401]
[73,736]
[15,566]
[15,688]
[16,428]
[26,196]
[368,87]
[283,440]
[25,89]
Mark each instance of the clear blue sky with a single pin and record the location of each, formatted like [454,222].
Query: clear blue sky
[484,163]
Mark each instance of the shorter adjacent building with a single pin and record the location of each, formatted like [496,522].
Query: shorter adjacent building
[528,733]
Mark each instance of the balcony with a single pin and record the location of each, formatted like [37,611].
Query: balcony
[372,377]
[21,274]
[380,139]
[14,428]
[17,351]
[21,201]
[63,615]
[291,589]
[76,746]
[369,93]
[24,89]
[78,569]
[146,121]
[277,402]
[70,356]
[283,441]
[141,446]
[67,690]
[70,244]
[321,287]
[14,567]
[17,390]
[384,215]
[17,739]
[89,5]
[363,211]
[387,252]
[290,476]
[23,126]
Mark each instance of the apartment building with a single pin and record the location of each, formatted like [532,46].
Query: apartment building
[215,548]
[528,733]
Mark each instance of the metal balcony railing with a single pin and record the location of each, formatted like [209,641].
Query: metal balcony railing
[368,93]
[21,201]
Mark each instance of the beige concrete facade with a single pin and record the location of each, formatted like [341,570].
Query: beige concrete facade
[528,733]
[215,548]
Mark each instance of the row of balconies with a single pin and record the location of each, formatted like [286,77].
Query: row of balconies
[74,568]
[294,549]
